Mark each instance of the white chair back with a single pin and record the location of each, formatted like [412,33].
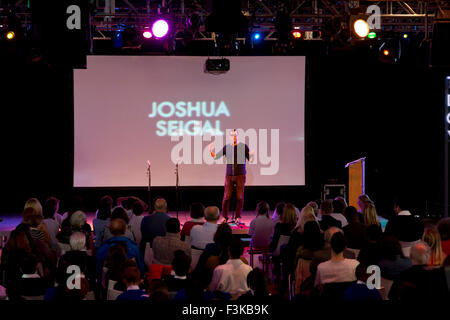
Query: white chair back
[281,242]
[111,293]
[148,255]
[195,255]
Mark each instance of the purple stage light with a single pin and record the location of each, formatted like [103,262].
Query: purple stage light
[160,28]
[147,34]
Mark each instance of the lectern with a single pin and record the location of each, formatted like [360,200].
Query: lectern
[356,180]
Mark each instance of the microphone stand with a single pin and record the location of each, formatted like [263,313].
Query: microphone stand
[149,174]
[176,187]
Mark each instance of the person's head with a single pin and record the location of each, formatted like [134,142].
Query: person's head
[31,217]
[28,264]
[330,232]
[339,204]
[370,215]
[315,207]
[361,272]
[51,206]
[289,215]
[35,204]
[132,276]
[312,236]
[20,239]
[338,243]
[279,208]
[326,207]
[104,209]
[420,253]
[120,213]
[181,263]
[78,241]
[351,214]
[160,205]
[223,235]
[173,225]
[400,203]
[262,209]
[78,219]
[390,248]
[118,227]
[212,214]
[138,208]
[159,291]
[197,210]
[363,199]
[234,135]
[373,233]
[258,281]
[128,203]
[306,215]
[236,248]
[432,238]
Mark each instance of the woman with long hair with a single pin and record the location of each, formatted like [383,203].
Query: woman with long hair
[432,237]
[370,215]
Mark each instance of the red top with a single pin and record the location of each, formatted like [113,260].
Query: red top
[446,247]
[186,231]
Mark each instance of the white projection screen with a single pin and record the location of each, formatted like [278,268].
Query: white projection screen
[167,109]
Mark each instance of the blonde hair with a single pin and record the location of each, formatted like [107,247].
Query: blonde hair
[370,215]
[35,204]
[432,237]
[315,207]
[289,215]
[307,214]
[78,219]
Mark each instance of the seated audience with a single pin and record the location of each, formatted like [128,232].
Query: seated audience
[118,229]
[258,282]
[370,215]
[433,239]
[132,279]
[339,204]
[231,277]
[420,283]
[50,212]
[155,224]
[276,216]
[392,261]
[370,251]
[136,220]
[164,247]
[119,213]
[102,219]
[261,228]
[444,231]
[177,280]
[197,213]
[285,226]
[355,231]
[359,291]
[315,206]
[338,269]
[363,201]
[75,222]
[38,228]
[201,235]
[159,292]
[31,284]
[326,220]
[404,226]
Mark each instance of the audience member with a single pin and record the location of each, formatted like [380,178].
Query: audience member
[355,231]
[132,279]
[197,213]
[231,277]
[339,204]
[315,206]
[278,212]
[31,284]
[370,251]
[135,223]
[164,247]
[404,226]
[119,213]
[285,226]
[261,228]
[32,216]
[201,235]
[258,282]
[370,215]
[326,220]
[444,231]
[50,213]
[433,239]
[181,264]
[102,219]
[359,291]
[155,224]
[392,261]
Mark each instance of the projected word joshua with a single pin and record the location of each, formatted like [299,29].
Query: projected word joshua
[192,127]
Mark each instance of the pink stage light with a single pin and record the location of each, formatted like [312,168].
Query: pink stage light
[147,34]
[160,28]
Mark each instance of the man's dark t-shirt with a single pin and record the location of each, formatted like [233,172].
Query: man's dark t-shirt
[235,156]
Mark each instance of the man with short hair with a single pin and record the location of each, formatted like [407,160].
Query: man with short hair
[155,224]
[326,220]
[164,247]
[231,277]
[338,269]
[420,282]
[201,235]
[118,228]
[132,278]
[404,226]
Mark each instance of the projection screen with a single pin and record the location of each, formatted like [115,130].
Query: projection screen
[168,110]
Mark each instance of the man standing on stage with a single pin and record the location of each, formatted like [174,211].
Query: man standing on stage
[236,155]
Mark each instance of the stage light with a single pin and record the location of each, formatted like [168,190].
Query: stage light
[390,51]
[361,28]
[297,34]
[256,36]
[386,52]
[372,35]
[147,34]
[405,36]
[160,28]
[10,35]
